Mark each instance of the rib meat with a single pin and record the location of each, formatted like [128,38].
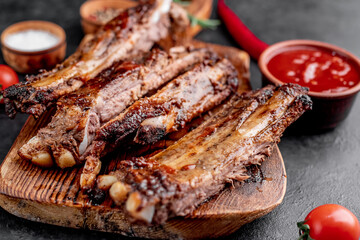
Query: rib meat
[183,99]
[81,113]
[132,32]
[175,181]
[172,107]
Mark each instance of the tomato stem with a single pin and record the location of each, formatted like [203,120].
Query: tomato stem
[304,231]
[1,93]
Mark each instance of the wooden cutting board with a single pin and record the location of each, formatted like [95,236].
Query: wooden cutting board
[53,196]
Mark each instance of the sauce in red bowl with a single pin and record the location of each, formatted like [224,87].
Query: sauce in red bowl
[331,73]
[318,69]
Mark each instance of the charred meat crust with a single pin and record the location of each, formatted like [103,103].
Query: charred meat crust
[183,99]
[66,129]
[132,32]
[176,104]
[245,131]
[82,112]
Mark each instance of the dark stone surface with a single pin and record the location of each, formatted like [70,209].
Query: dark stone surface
[321,168]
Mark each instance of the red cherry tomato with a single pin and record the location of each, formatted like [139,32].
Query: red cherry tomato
[8,77]
[330,222]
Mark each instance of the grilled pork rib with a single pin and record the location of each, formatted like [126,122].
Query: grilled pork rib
[178,179]
[81,113]
[183,99]
[186,97]
[132,32]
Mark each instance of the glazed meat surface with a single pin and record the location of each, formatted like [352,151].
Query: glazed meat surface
[175,181]
[172,107]
[150,119]
[80,114]
[134,31]
[74,122]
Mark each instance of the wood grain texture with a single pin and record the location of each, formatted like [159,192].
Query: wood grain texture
[53,196]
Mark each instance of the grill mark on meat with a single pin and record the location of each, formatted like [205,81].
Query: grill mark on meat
[182,100]
[239,135]
[80,114]
[134,31]
[206,95]
[74,119]
[176,104]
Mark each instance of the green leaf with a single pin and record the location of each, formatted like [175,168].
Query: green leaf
[182,2]
[208,23]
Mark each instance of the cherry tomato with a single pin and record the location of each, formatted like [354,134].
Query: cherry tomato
[8,77]
[330,222]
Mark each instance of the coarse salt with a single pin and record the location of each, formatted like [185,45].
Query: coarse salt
[31,40]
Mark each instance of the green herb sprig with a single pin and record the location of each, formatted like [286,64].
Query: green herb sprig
[182,2]
[208,23]
[204,23]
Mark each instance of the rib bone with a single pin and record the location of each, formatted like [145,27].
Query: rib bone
[132,32]
[118,192]
[183,99]
[104,182]
[81,113]
[175,181]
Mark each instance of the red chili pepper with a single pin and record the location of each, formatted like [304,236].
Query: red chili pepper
[240,32]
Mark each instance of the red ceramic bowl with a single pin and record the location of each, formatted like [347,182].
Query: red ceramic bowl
[329,109]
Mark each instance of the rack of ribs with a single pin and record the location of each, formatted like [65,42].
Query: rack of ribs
[175,181]
[80,114]
[151,118]
[134,31]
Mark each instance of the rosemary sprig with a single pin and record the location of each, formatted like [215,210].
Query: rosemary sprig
[208,23]
[204,23]
[182,2]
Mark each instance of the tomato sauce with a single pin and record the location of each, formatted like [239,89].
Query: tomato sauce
[318,69]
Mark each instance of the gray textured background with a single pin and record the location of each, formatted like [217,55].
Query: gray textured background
[321,168]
